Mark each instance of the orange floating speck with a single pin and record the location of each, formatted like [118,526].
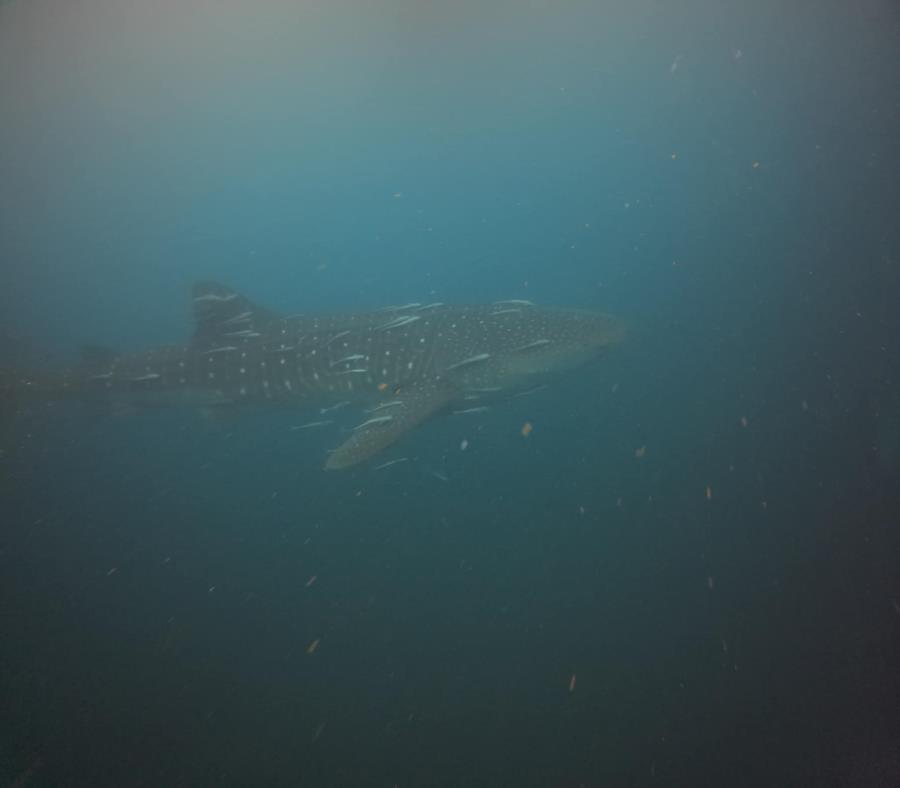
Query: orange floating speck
[526,429]
[311,649]
[382,386]
[572,683]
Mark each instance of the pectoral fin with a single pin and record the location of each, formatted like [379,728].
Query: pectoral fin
[408,407]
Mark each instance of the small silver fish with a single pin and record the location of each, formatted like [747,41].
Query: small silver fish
[390,463]
[313,424]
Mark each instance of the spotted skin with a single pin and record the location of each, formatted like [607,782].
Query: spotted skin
[415,359]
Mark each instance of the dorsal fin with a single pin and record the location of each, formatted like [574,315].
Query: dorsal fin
[221,313]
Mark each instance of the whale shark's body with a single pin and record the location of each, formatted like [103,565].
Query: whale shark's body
[403,363]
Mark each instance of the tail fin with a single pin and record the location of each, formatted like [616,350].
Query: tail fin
[30,378]
[17,353]
[9,403]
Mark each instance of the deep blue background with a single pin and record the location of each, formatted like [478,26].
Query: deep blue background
[724,176]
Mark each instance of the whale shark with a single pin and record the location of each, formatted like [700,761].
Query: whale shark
[402,364]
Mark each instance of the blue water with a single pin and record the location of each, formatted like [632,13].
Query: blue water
[685,575]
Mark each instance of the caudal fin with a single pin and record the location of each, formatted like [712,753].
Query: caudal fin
[9,403]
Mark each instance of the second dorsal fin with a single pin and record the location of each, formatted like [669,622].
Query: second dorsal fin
[94,357]
[221,313]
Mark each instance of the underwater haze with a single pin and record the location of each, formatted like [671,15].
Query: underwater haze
[673,565]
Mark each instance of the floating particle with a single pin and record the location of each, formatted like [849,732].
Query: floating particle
[112,572]
[463,445]
[382,386]
[572,683]
[311,648]
[804,405]
[640,452]
[615,388]
[744,421]
[311,580]
[756,165]
[708,493]
[724,647]
[711,582]
[526,429]
[674,156]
